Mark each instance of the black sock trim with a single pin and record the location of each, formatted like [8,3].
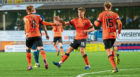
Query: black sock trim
[28,51]
[110,55]
[67,54]
[40,49]
[85,55]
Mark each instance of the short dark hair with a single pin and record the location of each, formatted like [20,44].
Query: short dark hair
[82,9]
[30,8]
[108,4]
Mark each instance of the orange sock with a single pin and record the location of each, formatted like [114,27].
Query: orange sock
[86,59]
[56,47]
[113,53]
[111,59]
[28,56]
[62,51]
[43,54]
[65,57]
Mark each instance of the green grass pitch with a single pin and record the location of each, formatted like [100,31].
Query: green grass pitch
[15,64]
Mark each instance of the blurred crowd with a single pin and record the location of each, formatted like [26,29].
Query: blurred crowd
[129,17]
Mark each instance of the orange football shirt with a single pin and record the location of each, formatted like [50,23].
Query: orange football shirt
[108,22]
[32,25]
[81,25]
[58,31]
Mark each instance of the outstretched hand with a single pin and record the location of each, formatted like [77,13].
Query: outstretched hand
[85,31]
[26,35]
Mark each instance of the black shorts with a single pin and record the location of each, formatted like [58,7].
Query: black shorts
[76,43]
[59,39]
[108,43]
[34,41]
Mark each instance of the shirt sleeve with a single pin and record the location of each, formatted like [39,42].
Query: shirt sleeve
[40,19]
[25,21]
[72,22]
[90,25]
[99,18]
[117,16]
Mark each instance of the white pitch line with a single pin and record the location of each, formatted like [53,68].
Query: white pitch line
[119,75]
[81,75]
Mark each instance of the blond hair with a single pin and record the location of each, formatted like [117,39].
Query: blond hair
[108,4]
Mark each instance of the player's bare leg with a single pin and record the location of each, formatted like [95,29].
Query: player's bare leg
[28,56]
[65,57]
[55,46]
[111,59]
[61,48]
[43,54]
[85,57]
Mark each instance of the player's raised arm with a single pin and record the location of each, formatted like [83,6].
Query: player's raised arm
[64,23]
[47,23]
[119,25]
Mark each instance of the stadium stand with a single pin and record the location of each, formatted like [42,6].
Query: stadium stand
[129,13]
[130,17]
[73,2]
